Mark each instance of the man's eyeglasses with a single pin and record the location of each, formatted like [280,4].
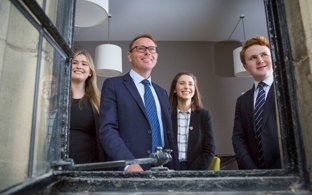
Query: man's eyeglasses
[142,49]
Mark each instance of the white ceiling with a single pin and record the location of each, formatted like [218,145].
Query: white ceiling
[179,20]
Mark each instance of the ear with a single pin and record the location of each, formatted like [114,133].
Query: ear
[129,57]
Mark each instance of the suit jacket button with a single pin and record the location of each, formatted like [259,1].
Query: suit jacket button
[148,151]
[149,131]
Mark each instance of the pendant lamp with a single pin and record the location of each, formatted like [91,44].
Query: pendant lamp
[91,13]
[239,70]
[108,58]
[108,61]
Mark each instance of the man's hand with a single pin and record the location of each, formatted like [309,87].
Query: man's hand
[134,168]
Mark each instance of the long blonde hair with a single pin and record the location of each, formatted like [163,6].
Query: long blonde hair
[91,90]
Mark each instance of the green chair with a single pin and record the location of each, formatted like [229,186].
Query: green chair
[215,164]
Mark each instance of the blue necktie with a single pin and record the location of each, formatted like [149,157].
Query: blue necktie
[151,112]
[258,118]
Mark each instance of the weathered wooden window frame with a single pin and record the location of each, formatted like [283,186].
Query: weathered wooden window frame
[292,177]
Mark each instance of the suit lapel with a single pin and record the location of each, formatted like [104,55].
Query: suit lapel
[159,95]
[269,104]
[161,98]
[193,130]
[129,84]
[249,104]
[174,124]
[165,112]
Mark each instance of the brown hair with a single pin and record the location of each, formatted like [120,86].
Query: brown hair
[258,40]
[146,35]
[92,91]
[173,99]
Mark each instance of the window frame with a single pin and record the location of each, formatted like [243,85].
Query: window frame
[61,39]
[293,176]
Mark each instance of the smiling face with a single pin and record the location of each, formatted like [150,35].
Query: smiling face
[143,63]
[258,62]
[80,69]
[185,88]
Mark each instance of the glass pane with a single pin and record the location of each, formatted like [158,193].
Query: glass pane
[59,12]
[51,10]
[50,7]
[18,51]
[47,110]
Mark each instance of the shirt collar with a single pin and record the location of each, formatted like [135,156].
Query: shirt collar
[138,78]
[268,81]
[188,111]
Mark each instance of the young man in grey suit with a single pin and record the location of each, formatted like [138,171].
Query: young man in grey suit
[126,130]
[255,134]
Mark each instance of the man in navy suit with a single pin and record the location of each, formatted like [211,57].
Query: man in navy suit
[257,145]
[125,131]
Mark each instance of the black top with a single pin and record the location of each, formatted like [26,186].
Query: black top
[82,140]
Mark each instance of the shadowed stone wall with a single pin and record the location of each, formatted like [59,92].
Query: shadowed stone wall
[299,21]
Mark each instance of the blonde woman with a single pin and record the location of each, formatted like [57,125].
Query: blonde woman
[84,144]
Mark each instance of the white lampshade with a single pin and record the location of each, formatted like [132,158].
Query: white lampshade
[108,60]
[91,12]
[239,70]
